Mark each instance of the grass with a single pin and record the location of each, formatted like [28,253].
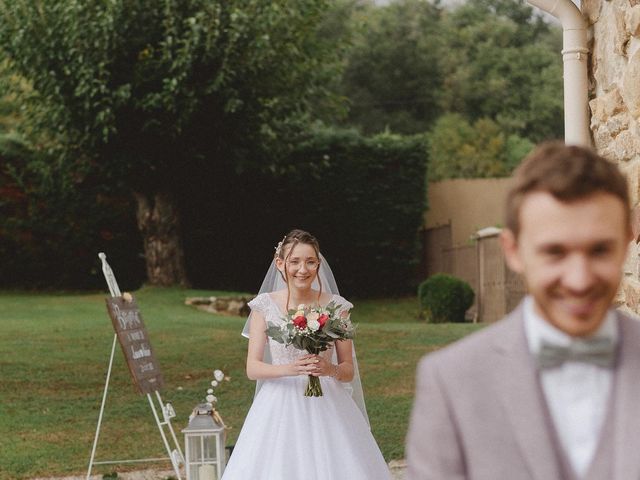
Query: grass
[54,350]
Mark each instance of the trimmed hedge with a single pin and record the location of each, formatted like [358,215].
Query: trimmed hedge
[50,236]
[363,198]
[445,298]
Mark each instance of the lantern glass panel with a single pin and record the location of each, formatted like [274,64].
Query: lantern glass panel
[195,449]
[193,472]
[210,444]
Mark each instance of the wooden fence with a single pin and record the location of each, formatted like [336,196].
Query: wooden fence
[497,289]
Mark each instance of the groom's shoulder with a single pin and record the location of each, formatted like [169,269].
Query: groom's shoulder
[475,349]
[630,323]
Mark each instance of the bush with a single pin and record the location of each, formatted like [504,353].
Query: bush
[445,298]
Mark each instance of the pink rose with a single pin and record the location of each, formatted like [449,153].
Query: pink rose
[300,322]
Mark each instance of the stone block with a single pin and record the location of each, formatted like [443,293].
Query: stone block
[631,288]
[609,62]
[591,10]
[630,81]
[621,36]
[607,105]
[631,171]
[617,124]
[632,20]
[222,304]
[626,147]
[601,139]
[619,299]
[238,308]
[633,46]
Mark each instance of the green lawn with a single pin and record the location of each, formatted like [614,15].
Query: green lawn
[54,350]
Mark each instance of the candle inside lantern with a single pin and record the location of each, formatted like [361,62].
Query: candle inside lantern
[207,472]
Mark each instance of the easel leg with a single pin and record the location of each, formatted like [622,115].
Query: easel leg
[164,437]
[168,422]
[104,399]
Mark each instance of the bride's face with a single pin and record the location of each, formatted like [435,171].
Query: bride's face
[301,265]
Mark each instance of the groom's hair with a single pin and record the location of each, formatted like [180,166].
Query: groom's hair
[568,173]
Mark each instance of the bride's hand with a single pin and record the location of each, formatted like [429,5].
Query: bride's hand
[304,365]
[323,367]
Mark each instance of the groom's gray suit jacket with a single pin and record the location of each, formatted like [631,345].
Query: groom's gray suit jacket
[479,412]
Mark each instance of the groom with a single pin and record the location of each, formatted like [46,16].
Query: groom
[552,391]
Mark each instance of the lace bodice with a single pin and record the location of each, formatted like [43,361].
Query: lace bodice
[281,354]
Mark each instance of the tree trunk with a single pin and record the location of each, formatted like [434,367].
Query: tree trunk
[159,224]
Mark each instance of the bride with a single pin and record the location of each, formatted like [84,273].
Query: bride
[286,435]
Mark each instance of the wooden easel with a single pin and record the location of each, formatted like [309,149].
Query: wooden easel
[145,385]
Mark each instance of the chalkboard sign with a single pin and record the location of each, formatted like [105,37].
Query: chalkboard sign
[132,335]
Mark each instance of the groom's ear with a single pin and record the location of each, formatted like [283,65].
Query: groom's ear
[510,247]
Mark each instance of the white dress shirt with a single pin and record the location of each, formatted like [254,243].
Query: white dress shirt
[577,394]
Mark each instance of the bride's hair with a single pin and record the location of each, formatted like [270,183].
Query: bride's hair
[293,238]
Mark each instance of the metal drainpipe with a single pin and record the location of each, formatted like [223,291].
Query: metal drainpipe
[574,54]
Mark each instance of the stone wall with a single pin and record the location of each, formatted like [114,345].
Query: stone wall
[615,107]
[234,306]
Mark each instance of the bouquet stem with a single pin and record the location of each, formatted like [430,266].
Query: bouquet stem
[313,387]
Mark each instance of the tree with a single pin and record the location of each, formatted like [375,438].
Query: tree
[504,64]
[459,149]
[140,92]
[412,61]
[393,78]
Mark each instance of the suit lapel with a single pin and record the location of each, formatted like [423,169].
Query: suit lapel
[626,414]
[521,396]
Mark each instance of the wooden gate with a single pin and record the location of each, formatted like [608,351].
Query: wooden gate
[500,290]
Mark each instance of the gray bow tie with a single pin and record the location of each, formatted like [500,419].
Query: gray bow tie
[596,351]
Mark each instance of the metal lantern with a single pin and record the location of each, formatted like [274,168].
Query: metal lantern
[204,440]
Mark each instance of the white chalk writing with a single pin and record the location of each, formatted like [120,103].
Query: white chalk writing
[136,335]
[127,318]
[142,352]
[147,367]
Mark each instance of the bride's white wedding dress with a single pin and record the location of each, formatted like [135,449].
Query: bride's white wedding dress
[287,436]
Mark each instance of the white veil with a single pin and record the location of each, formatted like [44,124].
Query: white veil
[273,282]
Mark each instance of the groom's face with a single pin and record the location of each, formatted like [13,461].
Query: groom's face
[571,256]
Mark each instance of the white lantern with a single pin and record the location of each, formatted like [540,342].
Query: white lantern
[204,440]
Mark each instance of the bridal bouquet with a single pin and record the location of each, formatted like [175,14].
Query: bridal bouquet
[313,329]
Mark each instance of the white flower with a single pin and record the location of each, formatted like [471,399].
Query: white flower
[313,325]
[301,306]
[214,383]
[210,391]
[299,313]
[313,316]
[211,399]
[218,375]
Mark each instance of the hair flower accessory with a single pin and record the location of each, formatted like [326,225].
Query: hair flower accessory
[279,246]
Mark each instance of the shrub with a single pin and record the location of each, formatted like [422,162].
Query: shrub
[445,298]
